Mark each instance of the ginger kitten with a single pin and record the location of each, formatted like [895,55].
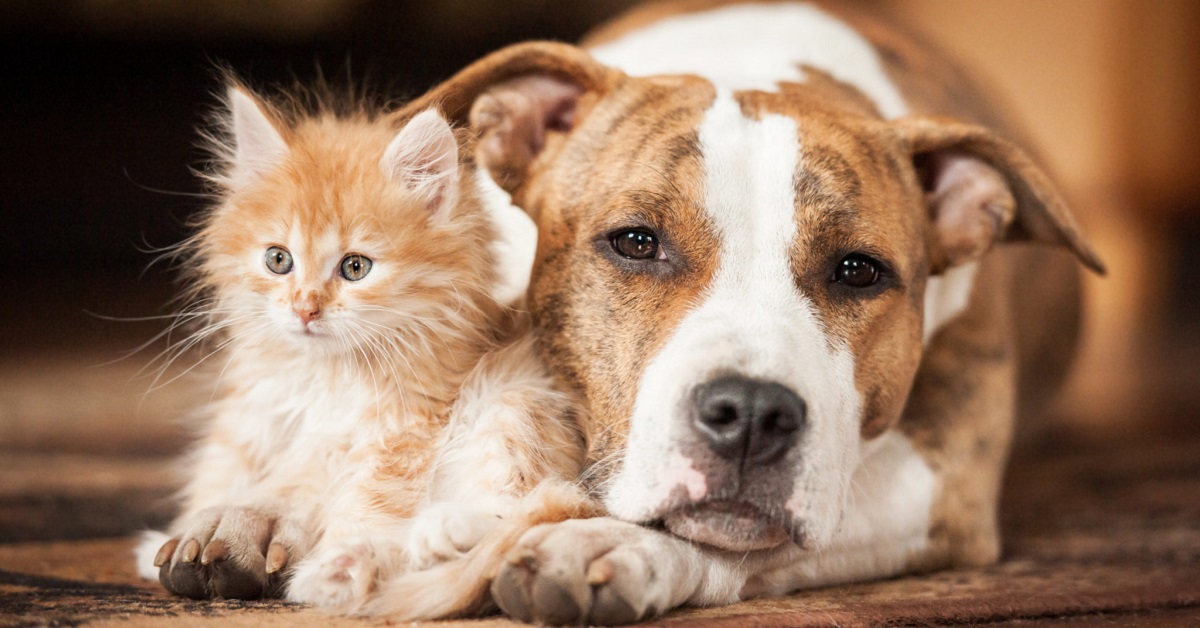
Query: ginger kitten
[348,276]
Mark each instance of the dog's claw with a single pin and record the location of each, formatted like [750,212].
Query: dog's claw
[277,557]
[164,552]
[601,571]
[214,551]
[587,571]
[526,559]
[191,550]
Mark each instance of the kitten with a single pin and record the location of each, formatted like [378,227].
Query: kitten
[348,273]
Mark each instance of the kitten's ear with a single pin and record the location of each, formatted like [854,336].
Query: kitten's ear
[258,146]
[423,158]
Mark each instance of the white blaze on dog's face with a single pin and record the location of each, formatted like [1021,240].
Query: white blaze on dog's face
[754,343]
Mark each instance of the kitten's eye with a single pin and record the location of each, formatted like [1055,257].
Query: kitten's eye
[278,260]
[355,267]
[857,271]
[635,244]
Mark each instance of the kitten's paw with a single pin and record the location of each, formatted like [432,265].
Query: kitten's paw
[227,553]
[445,531]
[338,578]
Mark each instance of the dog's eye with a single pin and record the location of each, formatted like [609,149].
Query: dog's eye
[636,244]
[278,260]
[857,271]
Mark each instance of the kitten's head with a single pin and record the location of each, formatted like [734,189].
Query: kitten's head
[339,235]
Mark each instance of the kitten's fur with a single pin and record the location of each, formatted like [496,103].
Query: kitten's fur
[334,397]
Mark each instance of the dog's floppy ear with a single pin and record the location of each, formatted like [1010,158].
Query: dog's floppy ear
[514,98]
[980,189]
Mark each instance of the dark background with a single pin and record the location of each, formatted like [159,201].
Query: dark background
[99,110]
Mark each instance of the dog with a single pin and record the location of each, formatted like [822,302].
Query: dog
[776,259]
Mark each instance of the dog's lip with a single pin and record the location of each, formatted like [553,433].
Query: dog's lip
[726,524]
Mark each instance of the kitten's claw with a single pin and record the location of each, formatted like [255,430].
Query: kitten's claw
[277,557]
[165,552]
[190,550]
[221,555]
[214,551]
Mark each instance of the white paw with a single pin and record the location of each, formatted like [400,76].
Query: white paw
[595,571]
[337,578]
[447,530]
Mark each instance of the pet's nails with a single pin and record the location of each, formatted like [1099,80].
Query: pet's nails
[191,549]
[277,557]
[164,552]
[214,551]
[525,558]
[599,572]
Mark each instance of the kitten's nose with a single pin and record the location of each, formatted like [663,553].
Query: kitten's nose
[307,312]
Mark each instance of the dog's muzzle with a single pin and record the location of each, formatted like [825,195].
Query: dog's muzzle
[743,427]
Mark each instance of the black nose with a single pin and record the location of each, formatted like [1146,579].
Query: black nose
[742,417]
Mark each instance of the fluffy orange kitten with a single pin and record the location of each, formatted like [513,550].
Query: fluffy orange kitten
[377,407]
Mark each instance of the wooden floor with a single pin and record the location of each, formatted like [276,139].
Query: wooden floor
[1106,532]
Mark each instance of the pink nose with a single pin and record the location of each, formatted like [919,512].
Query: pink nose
[307,312]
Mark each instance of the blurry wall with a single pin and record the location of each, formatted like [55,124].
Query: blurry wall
[1108,92]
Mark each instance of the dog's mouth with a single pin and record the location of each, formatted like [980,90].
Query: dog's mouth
[729,525]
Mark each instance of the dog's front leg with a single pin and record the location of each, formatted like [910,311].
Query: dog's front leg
[605,571]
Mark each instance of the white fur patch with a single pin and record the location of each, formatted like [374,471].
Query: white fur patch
[893,490]
[145,552]
[885,523]
[515,244]
[753,321]
[946,297]
[756,46]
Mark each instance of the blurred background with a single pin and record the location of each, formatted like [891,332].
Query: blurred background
[100,100]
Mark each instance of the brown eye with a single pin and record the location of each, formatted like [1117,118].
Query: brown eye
[857,271]
[355,267]
[278,260]
[635,244]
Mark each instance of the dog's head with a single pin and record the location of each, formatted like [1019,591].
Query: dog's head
[736,281]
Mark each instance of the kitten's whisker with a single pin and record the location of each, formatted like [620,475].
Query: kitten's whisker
[174,351]
[224,343]
[357,350]
[178,320]
[237,350]
[384,349]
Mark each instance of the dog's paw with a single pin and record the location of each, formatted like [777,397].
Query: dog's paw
[225,553]
[592,571]
[445,531]
[337,578]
